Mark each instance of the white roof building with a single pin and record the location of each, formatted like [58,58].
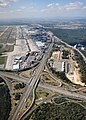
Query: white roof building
[40,44]
[16,66]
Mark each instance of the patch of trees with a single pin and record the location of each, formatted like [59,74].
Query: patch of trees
[66,111]
[1,80]
[59,100]
[84,52]
[17,96]
[5,102]
[65,54]
[19,85]
[1,45]
[55,47]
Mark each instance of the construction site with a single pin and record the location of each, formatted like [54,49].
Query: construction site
[62,60]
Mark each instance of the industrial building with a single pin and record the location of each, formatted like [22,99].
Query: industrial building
[60,66]
[16,66]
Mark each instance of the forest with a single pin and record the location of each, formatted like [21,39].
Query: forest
[71,36]
[5,101]
[59,109]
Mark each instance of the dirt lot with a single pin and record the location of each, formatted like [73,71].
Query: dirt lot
[75,76]
[56,55]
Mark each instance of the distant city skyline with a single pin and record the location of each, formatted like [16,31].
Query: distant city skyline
[10,9]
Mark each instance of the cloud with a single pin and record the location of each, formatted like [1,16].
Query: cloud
[20,12]
[52,10]
[69,6]
[74,6]
[84,7]
[52,4]
[51,7]
[22,7]
[4,3]
[69,9]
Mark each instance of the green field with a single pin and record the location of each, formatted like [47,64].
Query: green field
[2,60]
[7,48]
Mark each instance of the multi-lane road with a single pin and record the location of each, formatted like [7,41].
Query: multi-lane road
[65,92]
[14,77]
[30,86]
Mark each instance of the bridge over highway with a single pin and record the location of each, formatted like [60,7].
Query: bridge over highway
[32,83]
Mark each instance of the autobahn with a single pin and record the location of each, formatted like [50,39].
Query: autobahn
[72,89]
[56,89]
[64,92]
[14,77]
[31,86]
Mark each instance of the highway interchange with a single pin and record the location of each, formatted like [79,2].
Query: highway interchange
[32,83]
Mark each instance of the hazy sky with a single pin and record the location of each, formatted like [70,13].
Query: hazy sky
[42,8]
